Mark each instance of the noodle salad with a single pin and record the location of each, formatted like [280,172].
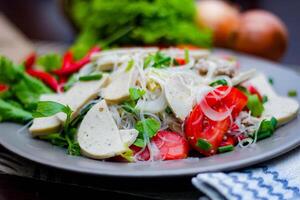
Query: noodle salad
[149,104]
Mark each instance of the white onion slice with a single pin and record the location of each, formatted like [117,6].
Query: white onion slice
[154,106]
[211,113]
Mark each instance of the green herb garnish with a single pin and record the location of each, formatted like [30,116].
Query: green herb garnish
[159,60]
[292,93]
[271,80]
[255,105]
[265,99]
[203,144]
[266,128]
[225,148]
[136,93]
[67,138]
[91,77]
[218,82]
[146,128]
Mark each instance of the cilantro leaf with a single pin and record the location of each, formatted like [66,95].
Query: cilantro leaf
[136,93]
[146,128]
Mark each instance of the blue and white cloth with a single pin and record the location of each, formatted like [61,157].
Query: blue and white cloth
[278,179]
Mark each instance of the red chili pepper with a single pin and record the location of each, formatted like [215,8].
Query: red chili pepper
[3,87]
[180,61]
[30,61]
[77,65]
[45,77]
[253,90]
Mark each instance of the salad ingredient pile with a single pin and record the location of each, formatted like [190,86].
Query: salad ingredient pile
[149,104]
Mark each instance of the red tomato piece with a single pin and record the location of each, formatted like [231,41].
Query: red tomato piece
[180,61]
[171,145]
[198,126]
[228,140]
[234,99]
[253,90]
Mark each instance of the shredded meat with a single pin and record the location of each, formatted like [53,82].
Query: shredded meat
[223,67]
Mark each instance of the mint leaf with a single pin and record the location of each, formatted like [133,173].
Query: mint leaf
[50,108]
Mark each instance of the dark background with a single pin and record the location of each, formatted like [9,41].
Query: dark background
[44,20]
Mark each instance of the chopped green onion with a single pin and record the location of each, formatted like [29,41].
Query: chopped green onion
[255,105]
[292,93]
[203,144]
[129,65]
[271,81]
[186,55]
[225,148]
[218,82]
[266,128]
[168,110]
[265,99]
[91,77]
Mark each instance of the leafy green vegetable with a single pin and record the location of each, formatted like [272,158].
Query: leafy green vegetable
[266,128]
[218,82]
[255,105]
[49,62]
[136,93]
[203,144]
[24,91]
[10,112]
[292,93]
[91,77]
[146,128]
[142,22]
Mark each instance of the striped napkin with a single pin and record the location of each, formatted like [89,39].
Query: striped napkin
[278,179]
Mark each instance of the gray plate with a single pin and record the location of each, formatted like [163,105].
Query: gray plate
[285,139]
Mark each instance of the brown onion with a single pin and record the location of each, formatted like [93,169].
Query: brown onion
[261,33]
[219,16]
